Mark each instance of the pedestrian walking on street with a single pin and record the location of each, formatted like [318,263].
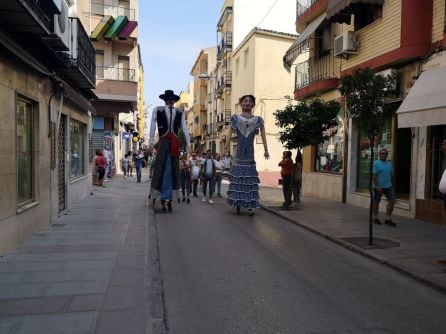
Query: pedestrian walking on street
[185,171]
[227,162]
[167,120]
[219,167]
[125,165]
[139,164]
[286,172]
[107,153]
[208,173]
[195,173]
[243,191]
[131,162]
[101,163]
[297,179]
[382,175]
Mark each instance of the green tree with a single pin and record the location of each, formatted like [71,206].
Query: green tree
[364,92]
[305,124]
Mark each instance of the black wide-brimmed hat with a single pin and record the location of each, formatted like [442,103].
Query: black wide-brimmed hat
[169,95]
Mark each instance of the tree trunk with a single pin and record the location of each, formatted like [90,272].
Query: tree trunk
[372,145]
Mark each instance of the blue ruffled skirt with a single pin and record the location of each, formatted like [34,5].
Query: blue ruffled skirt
[243,188]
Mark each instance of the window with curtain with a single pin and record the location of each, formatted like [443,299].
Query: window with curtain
[25,149]
[77,149]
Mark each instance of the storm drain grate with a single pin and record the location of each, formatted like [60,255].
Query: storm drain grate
[58,225]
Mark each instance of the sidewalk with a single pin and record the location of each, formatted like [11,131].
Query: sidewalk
[87,272]
[413,247]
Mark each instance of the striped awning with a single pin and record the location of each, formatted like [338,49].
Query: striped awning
[301,43]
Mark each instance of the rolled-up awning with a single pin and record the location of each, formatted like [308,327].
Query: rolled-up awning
[425,105]
[339,10]
[299,44]
[127,30]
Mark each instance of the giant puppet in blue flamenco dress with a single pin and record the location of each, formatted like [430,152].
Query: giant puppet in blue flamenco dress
[243,191]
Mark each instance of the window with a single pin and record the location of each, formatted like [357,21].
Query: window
[77,149]
[323,41]
[237,65]
[436,161]
[245,58]
[330,152]
[123,68]
[366,14]
[25,149]
[99,64]
[97,7]
[123,8]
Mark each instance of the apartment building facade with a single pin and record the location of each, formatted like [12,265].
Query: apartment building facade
[47,78]
[202,112]
[112,27]
[388,36]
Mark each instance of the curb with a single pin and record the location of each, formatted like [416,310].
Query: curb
[360,251]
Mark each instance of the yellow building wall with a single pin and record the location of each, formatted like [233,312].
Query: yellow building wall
[438,23]
[371,41]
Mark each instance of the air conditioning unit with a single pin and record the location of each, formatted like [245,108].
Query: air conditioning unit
[345,43]
[61,25]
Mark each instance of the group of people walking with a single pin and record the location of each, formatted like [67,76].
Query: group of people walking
[173,170]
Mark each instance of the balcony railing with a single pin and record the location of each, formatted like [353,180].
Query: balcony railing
[224,82]
[224,118]
[314,69]
[115,73]
[114,11]
[28,16]
[81,55]
[225,45]
[304,5]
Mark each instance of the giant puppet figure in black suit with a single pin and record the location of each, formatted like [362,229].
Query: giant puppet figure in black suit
[167,120]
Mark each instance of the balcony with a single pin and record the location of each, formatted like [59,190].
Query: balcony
[80,62]
[114,11]
[115,73]
[225,45]
[227,12]
[315,75]
[223,83]
[223,118]
[28,16]
[307,11]
[116,84]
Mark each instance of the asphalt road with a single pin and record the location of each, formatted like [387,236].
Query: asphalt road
[228,273]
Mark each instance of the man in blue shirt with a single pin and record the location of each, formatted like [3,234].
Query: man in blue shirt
[382,174]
